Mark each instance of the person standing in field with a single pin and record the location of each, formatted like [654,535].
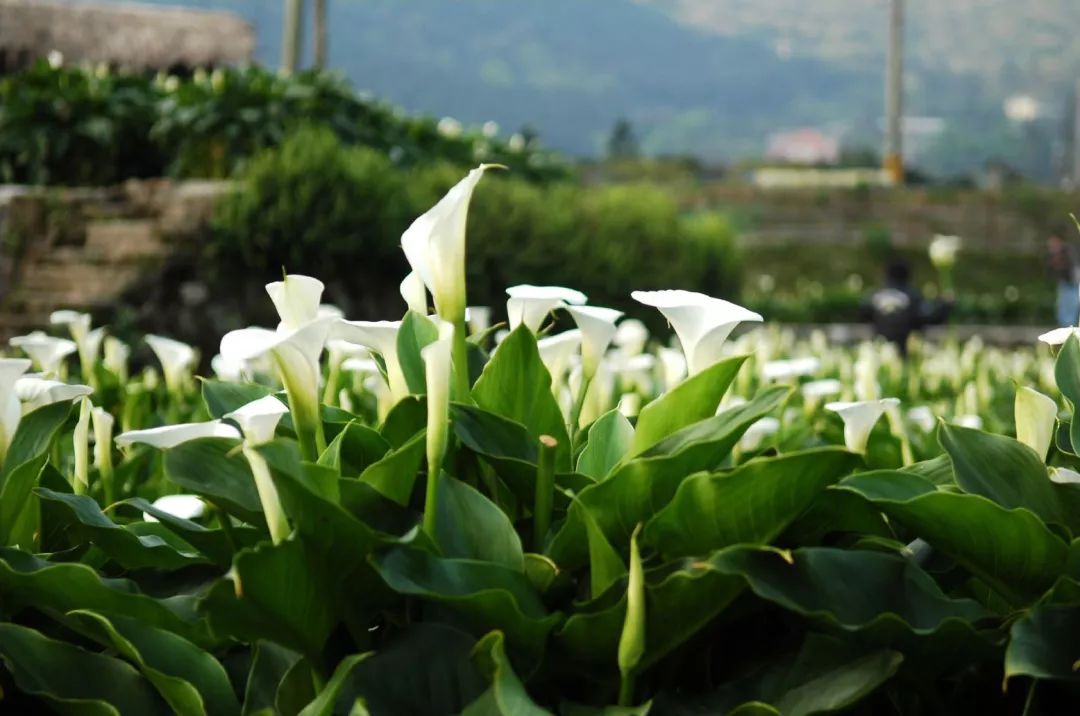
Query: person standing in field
[1065,268]
[897,309]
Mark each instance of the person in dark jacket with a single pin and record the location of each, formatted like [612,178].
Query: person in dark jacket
[897,309]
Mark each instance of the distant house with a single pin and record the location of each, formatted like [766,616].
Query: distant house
[122,36]
[803,146]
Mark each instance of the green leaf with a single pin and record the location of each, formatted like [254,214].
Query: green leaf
[214,468]
[1011,550]
[692,400]
[73,680]
[485,595]
[27,581]
[415,333]
[938,470]
[605,565]
[632,639]
[213,543]
[355,448]
[192,681]
[1001,469]
[609,440]
[405,420]
[277,592]
[516,385]
[26,456]
[222,397]
[507,695]
[470,526]
[1045,644]
[269,665]
[395,473]
[752,504]
[1067,376]
[127,548]
[323,704]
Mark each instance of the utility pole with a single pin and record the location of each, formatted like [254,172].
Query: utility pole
[894,96]
[291,37]
[320,34]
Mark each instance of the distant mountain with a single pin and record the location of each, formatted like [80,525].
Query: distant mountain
[707,77]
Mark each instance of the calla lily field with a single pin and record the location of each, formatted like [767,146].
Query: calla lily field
[559,514]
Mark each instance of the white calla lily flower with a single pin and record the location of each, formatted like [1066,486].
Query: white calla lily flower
[116,357]
[47,352]
[478,319]
[414,292]
[631,337]
[943,250]
[923,417]
[859,419]
[1036,420]
[434,245]
[438,366]
[35,391]
[824,388]
[296,299]
[87,341]
[701,322]
[11,370]
[81,445]
[103,423]
[1064,476]
[790,368]
[177,361]
[1058,336]
[380,337]
[186,507]
[597,326]
[228,370]
[169,436]
[974,422]
[672,367]
[556,352]
[259,419]
[530,304]
[757,433]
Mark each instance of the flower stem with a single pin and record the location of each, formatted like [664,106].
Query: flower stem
[268,496]
[460,357]
[545,491]
[579,403]
[626,690]
[431,501]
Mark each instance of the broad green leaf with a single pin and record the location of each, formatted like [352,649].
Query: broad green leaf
[609,440]
[1067,376]
[269,664]
[405,420]
[938,470]
[507,695]
[354,449]
[485,595]
[222,397]
[73,680]
[605,565]
[277,592]
[214,468]
[323,704]
[26,456]
[415,333]
[394,474]
[1001,469]
[213,543]
[1045,644]
[696,398]
[190,679]
[296,688]
[752,504]
[127,548]
[27,581]
[1011,550]
[516,385]
[470,526]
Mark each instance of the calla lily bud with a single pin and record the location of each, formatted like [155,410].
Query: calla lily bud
[1036,419]
[81,442]
[415,293]
[177,361]
[169,436]
[438,363]
[597,326]
[103,422]
[859,419]
[701,322]
[530,305]
[435,247]
[296,299]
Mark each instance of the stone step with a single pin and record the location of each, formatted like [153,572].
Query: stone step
[121,239]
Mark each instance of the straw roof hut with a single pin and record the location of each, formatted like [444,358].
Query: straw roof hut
[123,36]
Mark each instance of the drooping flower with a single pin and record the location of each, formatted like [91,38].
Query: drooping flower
[701,322]
[434,245]
[859,419]
[597,326]
[529,304]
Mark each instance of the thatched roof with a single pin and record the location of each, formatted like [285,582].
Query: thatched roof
[122,35]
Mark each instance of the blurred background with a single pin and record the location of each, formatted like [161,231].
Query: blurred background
[161,161]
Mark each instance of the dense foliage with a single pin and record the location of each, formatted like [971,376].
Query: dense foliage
[534,525]
[338,212]
[74,126]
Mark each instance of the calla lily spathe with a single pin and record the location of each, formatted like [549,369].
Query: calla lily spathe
[672,367]
[631,337]
[116,357]
[1036,420]
[35,391]
[11,369]
[597,326]
[701,322]
[1058,336]
[81,445]
[434,245]
[169,436]
[380,337]
[185,507]
[47,352]
[859,419]
[790,368]
[103,422]
[478,319]
[438,365]
[530,304]
[414,292]
[87,340]
[258,420]
[177,361]
[296,299]
[556,352]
